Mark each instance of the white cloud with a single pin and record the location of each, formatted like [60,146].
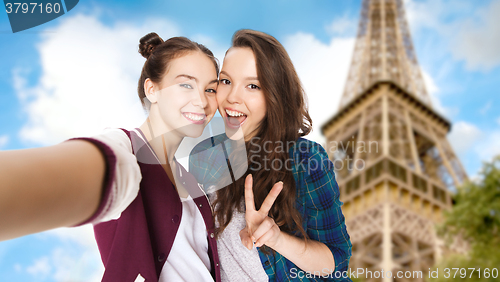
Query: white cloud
[322,69]
[437,15]
[88,81]
[434,94]
[426,14]
[478,39]
[489,146]
[467,139]
[4,140]
[343,26]
[470,33]
[430,85]
[464,136]
[40,268]
[74,267]
[76,257]
[83,235]
[67,264]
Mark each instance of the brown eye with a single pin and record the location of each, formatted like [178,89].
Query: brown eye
[225,81]
[254,87]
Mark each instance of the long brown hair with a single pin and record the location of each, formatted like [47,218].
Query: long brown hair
[159,53]
[285,121]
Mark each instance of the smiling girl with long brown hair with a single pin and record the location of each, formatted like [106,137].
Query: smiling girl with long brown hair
[287,203]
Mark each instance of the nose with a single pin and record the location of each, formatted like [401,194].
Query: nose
[234,96]
[200,99]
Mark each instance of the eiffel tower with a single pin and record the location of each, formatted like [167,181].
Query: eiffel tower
[394,165]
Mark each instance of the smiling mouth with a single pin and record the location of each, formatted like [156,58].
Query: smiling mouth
[195,117]
[235,118]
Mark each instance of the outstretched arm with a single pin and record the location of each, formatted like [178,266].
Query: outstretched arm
[49,187]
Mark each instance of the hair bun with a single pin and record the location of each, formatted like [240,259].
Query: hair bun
[148,43]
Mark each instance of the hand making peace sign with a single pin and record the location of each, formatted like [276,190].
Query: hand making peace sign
[260,228]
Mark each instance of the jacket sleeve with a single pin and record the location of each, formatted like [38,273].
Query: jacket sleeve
[122,178]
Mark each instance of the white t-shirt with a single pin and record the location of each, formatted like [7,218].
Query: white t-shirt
[188,259]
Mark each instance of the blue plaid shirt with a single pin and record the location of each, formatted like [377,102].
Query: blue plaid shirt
[317,201]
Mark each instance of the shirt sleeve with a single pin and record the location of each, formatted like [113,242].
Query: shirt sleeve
[325,221]
[122,178]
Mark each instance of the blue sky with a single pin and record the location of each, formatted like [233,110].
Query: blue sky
[77,74]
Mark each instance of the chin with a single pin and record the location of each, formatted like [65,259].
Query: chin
[234,133]
[193,132]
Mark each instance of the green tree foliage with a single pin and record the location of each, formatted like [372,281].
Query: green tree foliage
[475,218]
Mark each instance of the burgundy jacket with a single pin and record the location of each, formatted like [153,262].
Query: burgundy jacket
[140,240]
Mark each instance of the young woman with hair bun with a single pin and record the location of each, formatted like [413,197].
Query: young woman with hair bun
[282,220]
[151,220]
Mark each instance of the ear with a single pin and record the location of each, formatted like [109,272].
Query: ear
[149,90]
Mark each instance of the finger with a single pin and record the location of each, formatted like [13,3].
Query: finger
[264,239]
[263,228]
[245,239]
[271,197]
[249,202]
[249,244]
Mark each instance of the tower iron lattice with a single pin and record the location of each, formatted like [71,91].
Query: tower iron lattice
[394,164]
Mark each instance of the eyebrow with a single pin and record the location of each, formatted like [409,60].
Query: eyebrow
[187,76]
[195,79]
[225,73]
[247,78]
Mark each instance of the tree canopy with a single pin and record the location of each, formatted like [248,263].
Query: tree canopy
[475,218]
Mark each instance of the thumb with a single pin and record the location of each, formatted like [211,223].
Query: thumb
[245,239]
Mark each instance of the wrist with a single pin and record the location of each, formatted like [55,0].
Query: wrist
[279,241]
